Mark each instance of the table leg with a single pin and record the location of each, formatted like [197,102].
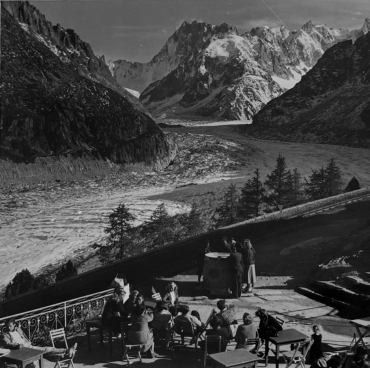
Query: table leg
[277,356]
[110,342]
[255,364]
[41,361]
[101,331]
[266,352]
[88,338]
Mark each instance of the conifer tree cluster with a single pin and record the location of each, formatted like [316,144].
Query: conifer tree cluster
[282,187]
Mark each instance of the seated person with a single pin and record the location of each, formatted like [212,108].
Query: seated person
[14,338]
[140,299]
[114,310]
[140,332]
[162,322]
[217,330]
[185,316]
[356,360]
[130,302]
[248,330]
[172,297]
[331,361]
[232,327]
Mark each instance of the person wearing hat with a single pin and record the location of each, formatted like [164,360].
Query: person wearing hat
[248,330]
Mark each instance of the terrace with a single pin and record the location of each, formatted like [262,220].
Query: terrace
[298,312]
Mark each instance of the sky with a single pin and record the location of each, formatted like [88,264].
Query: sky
[136,30]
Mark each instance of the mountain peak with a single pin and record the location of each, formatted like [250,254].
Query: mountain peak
[308,26]
[366,27]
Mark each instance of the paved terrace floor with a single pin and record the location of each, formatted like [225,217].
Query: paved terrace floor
[298,311]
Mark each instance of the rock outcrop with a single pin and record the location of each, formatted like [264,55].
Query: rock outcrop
[207,70]
[59,98]
[331,104]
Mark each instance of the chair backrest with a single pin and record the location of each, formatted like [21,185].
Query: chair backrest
[185,327]
[213,344]
[58,334]
[249,342]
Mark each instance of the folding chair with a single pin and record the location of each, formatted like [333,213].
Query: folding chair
[186,330]
[162,329]
[129,348]
[60,334]
[251,342]
[295,356]
[213,347]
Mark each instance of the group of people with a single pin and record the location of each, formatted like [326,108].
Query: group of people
[13,338]
[242,264]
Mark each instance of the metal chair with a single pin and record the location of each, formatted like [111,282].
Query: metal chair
[295,356]
[127,346]
[60,334]
[251,342]
[212,344]
[186,331]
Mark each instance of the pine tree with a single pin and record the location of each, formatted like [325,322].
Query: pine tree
[278,183]
[316,186]
[334,180]
[119,232]
[227,211]
[66,271]
[158,230]
[352,185]
[252,197]
[296,187]
[22,282]
[193,222]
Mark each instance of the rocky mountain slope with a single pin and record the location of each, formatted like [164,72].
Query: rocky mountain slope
[224,74]
[59,98]
[331,104]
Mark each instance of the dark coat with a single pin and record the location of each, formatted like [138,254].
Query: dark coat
[264,326]
[236,262]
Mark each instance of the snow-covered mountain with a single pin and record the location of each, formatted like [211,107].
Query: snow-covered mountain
[214,71]
[331,104]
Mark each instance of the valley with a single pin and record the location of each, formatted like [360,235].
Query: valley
[65,215]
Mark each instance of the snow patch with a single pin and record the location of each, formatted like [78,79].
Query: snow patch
[285,83]
[133,92]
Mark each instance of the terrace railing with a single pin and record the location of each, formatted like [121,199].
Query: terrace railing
[70,315]
[309,207]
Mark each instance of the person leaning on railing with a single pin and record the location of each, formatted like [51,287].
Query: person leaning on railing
[14,338]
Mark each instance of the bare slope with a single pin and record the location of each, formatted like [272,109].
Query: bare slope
[50,106]
[331,104]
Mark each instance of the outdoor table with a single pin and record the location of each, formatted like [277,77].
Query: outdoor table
[365,324]
[236,358]
[286,337]
[24,356]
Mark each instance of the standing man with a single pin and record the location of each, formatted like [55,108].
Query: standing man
[249,264]
[227,247]
[236,266]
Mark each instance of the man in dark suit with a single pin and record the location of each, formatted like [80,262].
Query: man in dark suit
[236,266]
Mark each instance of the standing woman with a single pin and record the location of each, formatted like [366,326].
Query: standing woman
[200,262]
[250,267]
[172,297]
[316,350]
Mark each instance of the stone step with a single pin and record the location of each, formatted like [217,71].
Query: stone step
[332,290]
[354,283]
[352,311]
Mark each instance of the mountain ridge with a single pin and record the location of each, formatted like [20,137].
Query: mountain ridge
[50,108]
